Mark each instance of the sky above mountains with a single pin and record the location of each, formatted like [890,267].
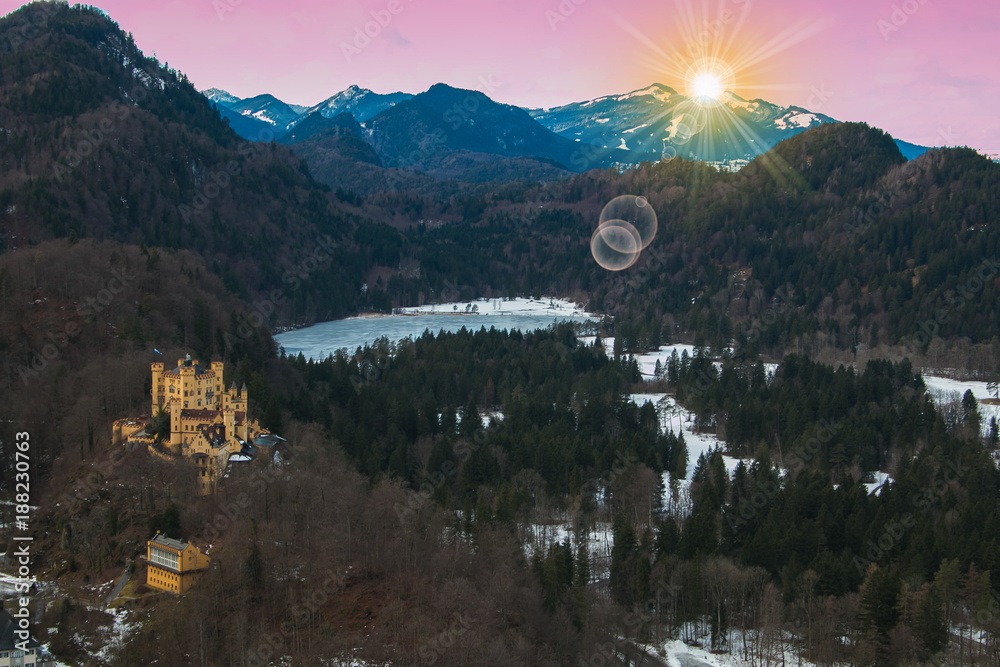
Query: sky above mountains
[923,70]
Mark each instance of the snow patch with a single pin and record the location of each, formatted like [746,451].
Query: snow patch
[652,91]
[795,120]
[945,390]
[635,128]
[518,306]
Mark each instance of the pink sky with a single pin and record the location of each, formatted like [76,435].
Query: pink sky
[933,79]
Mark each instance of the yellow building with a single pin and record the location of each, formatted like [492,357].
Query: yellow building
[173,565]
[207,424]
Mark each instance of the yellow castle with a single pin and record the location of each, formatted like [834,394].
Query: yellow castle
[206,423]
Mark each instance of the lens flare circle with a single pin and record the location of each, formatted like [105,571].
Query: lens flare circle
[635,211]
[689,118]
[615,245]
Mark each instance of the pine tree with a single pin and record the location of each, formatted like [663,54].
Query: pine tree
[929,624]
[581,578]
[879,608]
[623,562]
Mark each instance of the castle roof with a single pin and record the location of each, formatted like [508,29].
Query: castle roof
[205,414]
[168,542]
[199,414]
[198,371]
[215,434]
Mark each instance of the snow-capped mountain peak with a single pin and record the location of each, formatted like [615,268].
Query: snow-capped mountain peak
[220,96]
[359,102]
[660,122]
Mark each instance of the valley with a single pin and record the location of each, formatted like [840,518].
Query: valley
[413,421]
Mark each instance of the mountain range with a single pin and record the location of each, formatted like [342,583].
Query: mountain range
[103,143]
[450,132]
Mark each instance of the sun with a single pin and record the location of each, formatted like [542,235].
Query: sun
[707,81]
[707,85]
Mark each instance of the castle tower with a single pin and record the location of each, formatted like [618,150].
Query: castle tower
[216,389]
[240,400]
[157,371]
[175,425]
[229,420]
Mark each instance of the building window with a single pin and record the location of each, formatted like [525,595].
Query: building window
[163,557]
[199,402]
[185,404]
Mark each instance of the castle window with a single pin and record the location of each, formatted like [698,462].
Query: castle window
[185,404]
[199,401]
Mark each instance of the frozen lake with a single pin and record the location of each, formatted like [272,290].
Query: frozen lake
[322,340]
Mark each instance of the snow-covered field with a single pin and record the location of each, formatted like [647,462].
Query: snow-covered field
[673,417]
[647,361]
[945,390]
[116,634]
[320,340]
[516,306]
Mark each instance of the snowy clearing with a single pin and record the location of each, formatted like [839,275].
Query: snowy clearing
[517,306]
[945,390]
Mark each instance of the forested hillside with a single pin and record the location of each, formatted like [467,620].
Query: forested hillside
[404,523]
[786,550]
[860,247]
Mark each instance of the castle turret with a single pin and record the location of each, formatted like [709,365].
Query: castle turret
[157,392]
[218,368]
[175,425]
[229,419]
